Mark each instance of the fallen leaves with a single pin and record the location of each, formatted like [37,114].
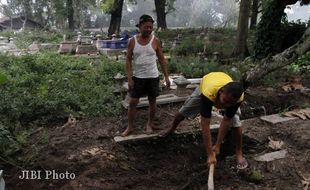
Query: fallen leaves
[302,114]
[94,151]
[275,145]
[295,84]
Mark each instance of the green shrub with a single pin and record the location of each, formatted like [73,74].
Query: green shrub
[189,47]
[56,84]
[301,66]
[192,41]
[37,89]
[24,39]
[192,67]
[7,34]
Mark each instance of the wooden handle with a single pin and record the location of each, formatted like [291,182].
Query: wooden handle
[210,179]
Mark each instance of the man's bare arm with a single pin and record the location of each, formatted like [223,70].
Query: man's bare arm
[162,61]
[207,139]
[130,46]
[225,124]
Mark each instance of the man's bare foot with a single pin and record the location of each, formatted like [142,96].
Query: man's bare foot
[127,132]
[150,127]
[165,133]
[148,130]
[242,163]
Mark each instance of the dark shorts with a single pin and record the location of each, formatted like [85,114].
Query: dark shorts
[192,107]
[145,87]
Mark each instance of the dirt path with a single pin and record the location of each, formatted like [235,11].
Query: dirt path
[88,151]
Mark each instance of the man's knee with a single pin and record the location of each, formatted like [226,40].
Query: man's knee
[237,130]
[179,116]
[133,102]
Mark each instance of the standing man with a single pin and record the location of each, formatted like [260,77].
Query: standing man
[216,89]
[142,73]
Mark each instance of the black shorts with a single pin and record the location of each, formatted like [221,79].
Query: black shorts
[145,87]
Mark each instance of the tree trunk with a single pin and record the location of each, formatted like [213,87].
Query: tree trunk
[70,15]
[241,49]
[24,21]
[161,14]
[49,19]
[254,14]
[268,36]
[116,18]
[27,8]
[11,23]
[280,60]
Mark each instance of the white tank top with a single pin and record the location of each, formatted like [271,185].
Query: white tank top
[144,60]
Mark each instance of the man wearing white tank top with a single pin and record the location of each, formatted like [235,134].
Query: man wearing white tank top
[142,73]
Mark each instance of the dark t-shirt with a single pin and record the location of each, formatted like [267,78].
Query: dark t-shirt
[206,108]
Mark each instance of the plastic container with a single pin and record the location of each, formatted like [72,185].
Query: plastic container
[106,43]
[118,44]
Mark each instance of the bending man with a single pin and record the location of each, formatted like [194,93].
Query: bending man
[216,89]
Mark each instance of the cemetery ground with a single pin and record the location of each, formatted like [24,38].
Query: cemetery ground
[87,149]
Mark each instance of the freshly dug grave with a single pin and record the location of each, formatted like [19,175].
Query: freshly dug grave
[87,149]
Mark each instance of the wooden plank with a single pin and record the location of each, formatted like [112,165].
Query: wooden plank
[132,138]
[120,139]
[276,118]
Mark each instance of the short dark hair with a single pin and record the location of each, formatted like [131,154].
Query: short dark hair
[234,88]
[145,18]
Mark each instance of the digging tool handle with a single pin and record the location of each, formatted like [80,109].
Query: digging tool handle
[210,179]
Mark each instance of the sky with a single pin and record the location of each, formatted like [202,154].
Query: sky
[298,12]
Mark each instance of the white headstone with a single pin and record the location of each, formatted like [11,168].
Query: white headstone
[2,183]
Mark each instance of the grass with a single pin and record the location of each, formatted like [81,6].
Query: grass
[43,88]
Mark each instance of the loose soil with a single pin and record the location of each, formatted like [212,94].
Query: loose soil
[87,149]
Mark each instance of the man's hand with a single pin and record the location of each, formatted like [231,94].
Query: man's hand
[167,82]
[212,159]
[217,149]
[130,84]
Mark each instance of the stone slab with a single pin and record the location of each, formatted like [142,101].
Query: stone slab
[49,46]
[271,156]
[111,52]
[276,118]
[141,137]
[173,86]
[34,46]
[194,80]
[20,52]
[85,49]
[162,99]
[67,47]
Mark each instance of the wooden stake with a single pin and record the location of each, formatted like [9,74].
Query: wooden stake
[210,179]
